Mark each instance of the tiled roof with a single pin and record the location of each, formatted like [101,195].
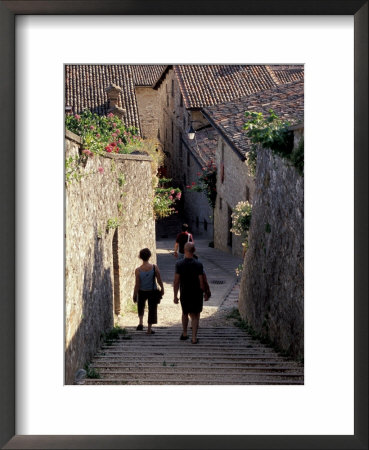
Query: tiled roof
[203,147]
[282,74]
[229,118]
[146,75]
[207,85]
[85,88]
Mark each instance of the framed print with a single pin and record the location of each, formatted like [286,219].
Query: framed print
[47,434]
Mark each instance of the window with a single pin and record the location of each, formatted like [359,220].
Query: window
[220,203]
[197,222]
[172,88]
[188,158]
[172,131]
[181,100]
[205,225]
[167,100]
[184,123]
[158,133]
[247,193]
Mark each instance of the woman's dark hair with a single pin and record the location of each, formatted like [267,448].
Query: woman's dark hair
[145,254]
[184,227]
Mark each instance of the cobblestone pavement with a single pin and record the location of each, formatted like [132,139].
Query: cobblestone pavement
[220,270]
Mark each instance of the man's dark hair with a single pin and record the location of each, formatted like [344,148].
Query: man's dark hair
[184,227]
[145,254]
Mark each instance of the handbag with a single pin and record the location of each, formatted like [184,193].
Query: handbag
[156,294]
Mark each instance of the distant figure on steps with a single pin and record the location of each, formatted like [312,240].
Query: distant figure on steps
[181,240]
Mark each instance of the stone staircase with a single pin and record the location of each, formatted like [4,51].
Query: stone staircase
[224,356]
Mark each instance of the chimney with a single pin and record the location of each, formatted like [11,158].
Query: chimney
[113,92]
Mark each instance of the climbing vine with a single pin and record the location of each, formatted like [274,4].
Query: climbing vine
[271,132]
[207,183]
[165,198]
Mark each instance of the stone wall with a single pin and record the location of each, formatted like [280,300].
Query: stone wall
[237,186]
[148,109]
[100,258]
[272,285]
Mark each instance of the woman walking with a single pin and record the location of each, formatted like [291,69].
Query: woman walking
[144,290]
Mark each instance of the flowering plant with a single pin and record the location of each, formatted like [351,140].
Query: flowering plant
[207,182]
[165,199]
[102,133]
[241,219]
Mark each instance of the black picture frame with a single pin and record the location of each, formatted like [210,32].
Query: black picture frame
[8,11]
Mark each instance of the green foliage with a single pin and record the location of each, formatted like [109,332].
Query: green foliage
[165,198]
[112,223]
[297,157]
[239,270]
[102,133]
[268,132]
[72,169]
[207,183]
[114,334]
[121,179]
[268,228]
[91,372]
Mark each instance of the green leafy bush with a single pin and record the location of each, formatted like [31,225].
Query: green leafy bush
[270,132]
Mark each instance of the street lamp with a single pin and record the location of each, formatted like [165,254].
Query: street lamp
[191,133]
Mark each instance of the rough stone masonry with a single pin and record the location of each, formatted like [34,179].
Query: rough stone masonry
[108,219]
[272,285]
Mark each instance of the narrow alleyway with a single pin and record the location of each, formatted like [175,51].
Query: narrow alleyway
[225,354]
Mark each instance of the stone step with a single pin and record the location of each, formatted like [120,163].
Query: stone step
[198,381]
[168,370]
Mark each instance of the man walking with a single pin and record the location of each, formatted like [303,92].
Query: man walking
[182,238]
[189,279]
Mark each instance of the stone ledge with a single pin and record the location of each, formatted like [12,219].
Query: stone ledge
[73,137]
[125,156]
[120,157]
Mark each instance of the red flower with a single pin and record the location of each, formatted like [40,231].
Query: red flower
[171,197]
[97,135]
[108,149]
[101,169]
[179,196]
[92,127]
[110,115]
[188,187]
[114,124]
[77,116]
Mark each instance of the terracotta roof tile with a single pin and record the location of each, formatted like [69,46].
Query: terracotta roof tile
[146,75]
[229,118]
[206,85]
[85,88]
[282,74]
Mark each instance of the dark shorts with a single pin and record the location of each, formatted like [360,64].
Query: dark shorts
[153,306]
[192,304]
